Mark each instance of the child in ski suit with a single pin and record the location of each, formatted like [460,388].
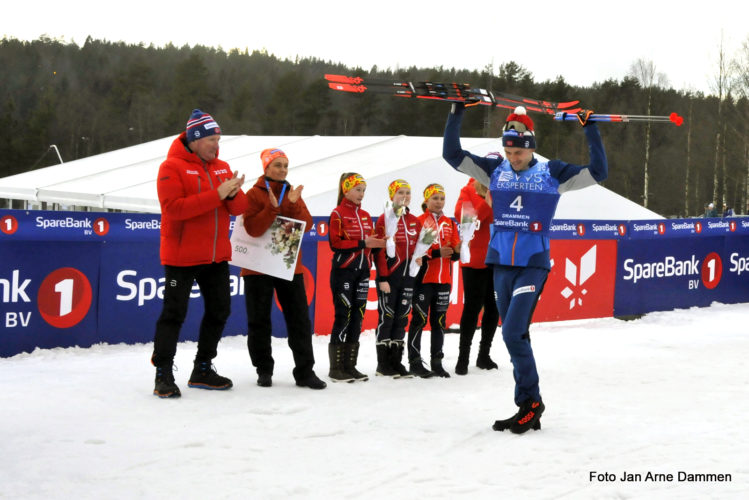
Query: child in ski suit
[433,283]
[524,193]
[351,238]
[395,286]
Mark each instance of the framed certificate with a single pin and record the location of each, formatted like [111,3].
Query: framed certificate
[274,253]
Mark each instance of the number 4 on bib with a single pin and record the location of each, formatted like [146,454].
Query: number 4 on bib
[517,203]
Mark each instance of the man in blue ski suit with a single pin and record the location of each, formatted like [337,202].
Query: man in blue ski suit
[524,193]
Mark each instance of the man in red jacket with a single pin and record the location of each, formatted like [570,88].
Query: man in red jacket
[198,193]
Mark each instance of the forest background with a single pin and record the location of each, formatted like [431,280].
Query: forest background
[103,96]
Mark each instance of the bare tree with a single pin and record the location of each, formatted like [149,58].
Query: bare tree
[722,86]
[689,158]
[740,70]
[644,72]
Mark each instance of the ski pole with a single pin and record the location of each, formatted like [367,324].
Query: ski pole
[672,118]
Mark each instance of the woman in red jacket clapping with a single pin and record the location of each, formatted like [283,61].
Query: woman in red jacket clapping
[270,197]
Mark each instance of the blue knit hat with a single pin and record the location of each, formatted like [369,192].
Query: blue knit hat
[201,125]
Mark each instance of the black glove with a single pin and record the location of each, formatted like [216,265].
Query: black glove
[583,115]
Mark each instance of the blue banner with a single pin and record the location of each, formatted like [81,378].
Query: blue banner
[79,278]
[666,273]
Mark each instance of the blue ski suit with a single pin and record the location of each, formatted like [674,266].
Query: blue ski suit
[524,203]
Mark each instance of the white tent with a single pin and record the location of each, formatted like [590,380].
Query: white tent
[126,179]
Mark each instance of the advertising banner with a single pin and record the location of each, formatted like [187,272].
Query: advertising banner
[666,273]
[581,282]
[79,278]
[49,279]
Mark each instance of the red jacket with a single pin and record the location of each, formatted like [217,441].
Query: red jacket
[349,226]
[194,220]
[480,242]
[405,237]
[439,269]
[260,214]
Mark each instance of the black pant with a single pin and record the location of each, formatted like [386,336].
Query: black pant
[350,289]
[431,301]
[213,280]
[393,308]
[478,288]
[258,297]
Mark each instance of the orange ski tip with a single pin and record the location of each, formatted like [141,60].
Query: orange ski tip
[344,79]
[346,87]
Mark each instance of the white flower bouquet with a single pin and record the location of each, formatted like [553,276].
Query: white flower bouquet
[285,238]
[393,211]
[466,228]
[427,236]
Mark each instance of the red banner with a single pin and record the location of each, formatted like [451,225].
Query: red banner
[581,282]
[580,285]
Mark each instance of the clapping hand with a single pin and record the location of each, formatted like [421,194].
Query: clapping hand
[272,198]
[296,193]
[230,187]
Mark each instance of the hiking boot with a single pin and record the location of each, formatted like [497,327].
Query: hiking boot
[417,369]
[396,357]
[527,417]
[165,386]
[337,373]
[461,367]
[485,362]
[265,380]
[204,376]
[384,364]
[350,358]
[436,365]
[312,381]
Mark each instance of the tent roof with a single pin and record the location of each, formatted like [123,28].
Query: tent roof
[125,179]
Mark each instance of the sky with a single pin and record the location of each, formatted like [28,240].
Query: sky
[585,41]
[662,394]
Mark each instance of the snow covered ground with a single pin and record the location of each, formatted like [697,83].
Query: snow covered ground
[662,394]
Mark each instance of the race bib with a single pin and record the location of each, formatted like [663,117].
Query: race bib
[524,201]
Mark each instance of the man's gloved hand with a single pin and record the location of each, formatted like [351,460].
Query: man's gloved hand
[471,100]
[583,115]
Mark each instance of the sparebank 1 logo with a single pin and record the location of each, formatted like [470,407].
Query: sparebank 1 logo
[577,275]
[8,224]
[101,226]
[712,270]
[64,297]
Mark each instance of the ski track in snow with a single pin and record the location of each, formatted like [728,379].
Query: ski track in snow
[664,393]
